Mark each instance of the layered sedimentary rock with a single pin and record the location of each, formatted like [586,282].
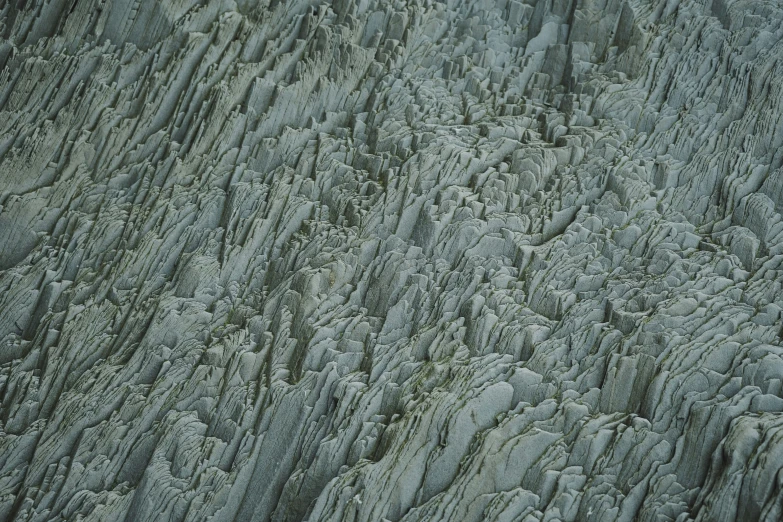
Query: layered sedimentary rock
[371,260]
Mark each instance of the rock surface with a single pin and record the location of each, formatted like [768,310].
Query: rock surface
[391,260]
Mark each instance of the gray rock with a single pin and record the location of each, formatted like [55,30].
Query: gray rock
[380,260]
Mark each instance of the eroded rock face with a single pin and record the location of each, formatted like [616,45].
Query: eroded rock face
[391,260]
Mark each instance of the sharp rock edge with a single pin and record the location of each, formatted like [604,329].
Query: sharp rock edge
[389,260]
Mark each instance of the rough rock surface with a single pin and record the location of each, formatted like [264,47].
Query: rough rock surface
[402,260]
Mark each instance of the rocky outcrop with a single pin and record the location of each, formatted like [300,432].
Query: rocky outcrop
[397,260]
